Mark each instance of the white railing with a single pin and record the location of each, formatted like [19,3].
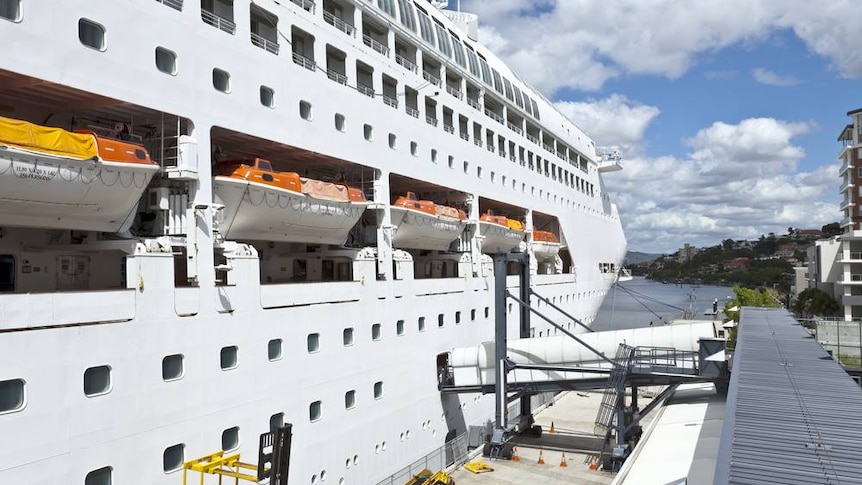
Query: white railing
[494,116]
[405,63]
[517,129]
[307,5]
[477,142]
[412,111]
[548,148]
[532,138]
[474,104]
[336,76]
[454,92]
[431,78]
[218,22]
[448,128]
[465,136]
[375,45]
[366,90]
[390,101]
[855,255]
[513,158]
[338,23]
[431,120]
[491,148]
[174,4]
[304,61]
[856,277]
[501,152]
[264,43]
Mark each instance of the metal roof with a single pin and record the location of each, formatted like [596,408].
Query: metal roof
[793,414]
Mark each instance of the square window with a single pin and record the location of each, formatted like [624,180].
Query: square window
[378,389]
[102,476]
[229,357]
[350,399]
[97,380]
[399,327]
[347,336]
[375,331]
[221,80]
[273,349]
[315,410]
[173,457]
[11,395]
[421,324]
[267,96]
[172,367]
[91,34]
[276,421]
[313,342]
[166,61]
[10,10]
[230,439]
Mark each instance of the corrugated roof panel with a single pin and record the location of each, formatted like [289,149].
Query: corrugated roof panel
[793,414]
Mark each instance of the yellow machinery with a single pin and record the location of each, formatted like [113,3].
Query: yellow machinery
[427,477]
[223,466]
[478,467]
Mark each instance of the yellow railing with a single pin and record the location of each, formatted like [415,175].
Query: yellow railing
[218,464]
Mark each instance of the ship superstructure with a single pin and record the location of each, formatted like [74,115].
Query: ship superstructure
[220,216]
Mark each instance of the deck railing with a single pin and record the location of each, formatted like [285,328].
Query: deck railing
[307,5]
[222,24]
[406,63]
[264,43]
[412,111]
[517,129]
[388,101]
[532,138]
[431,78]
[448,128]
[473,103]
[465,136]
[431,120]
[336,76]
[454,92]
[366,90]
[494,116]
[304,61]
[375,45]
[174,4]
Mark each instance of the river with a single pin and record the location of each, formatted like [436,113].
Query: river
[638,302]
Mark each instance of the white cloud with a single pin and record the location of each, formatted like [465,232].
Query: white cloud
[614,120]
[765,76]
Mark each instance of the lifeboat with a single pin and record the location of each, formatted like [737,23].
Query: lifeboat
[500,233]
[546,245]
[263,204]
[53,178]
[422,224]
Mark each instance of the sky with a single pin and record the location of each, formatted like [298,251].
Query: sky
[727,112]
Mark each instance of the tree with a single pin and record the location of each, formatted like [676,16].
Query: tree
[745,297]
[727,244]
[831,229]
[815,302]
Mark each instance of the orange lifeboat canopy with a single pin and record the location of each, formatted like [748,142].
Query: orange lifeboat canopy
[112,150]
[410,201]
[545,236]
[259,171]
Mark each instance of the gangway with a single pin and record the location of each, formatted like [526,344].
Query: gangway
[523,367]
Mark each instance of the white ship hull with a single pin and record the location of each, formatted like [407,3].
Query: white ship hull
[259,212]
[418,230]
[123,355]
[41,190]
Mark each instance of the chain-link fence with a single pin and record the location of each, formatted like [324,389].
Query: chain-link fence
[452,453]
[842,338]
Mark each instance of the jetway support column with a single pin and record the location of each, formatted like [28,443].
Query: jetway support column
[500,373]
[525,291]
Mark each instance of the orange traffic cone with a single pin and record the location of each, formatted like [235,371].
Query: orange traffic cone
[515,456]
[563,461]
[541,460]
[552,430]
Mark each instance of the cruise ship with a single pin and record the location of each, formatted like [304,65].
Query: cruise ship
[220,217]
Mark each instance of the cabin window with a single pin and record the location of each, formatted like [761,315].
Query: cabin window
[350,399]
[166,61]
[347,337]
[487,312]
[91,34]
[421,324]
[305,110]
[378,389]
[229,357]
[433,155]
[273,349]
[173,457]
[339,122]
[399,327]
[172,367]
[10,10]
[7,272]
[11,395]
[102,476]
[414,148]
[451,161]
[221,80]
[393,141]
[276,421]
[368,132]
[267,96]
[466,166]
[457,318]
[315,411]
[376,331]
[441,320]
[97,380]
[230,439]
[313,342]
[473,315]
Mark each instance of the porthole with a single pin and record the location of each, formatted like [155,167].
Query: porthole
[313,342]
[347,336]
[350,399]
[102,476]
[378,389]
[339,122]
[173,457]
[421,324]
[172,367]
[230,439]
[274,349]
[305,110]
[12,396]
[267,96]
[441,320]
[399,327]
[229,357]
[10,10]
[91,34]
[414,148]
[97,380]
[376,331]
[393,141]
[457,318]
[433,155]
[221,80]
[368,132]
[315,411]
[166,61]
[451,161]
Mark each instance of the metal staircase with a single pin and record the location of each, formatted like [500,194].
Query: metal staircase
[616,382]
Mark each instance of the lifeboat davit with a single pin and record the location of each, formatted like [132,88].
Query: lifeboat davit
[53,178]
[262,204]
[500,234]
[422,224]
[546,245]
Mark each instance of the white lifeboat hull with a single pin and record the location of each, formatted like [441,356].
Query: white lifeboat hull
[260,212]
[419,230]
[52,191]
[499,239]
[545,250]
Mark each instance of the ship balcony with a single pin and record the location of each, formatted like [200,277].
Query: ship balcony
[431,78]
[448,128]
[491,148]
[405,63]
[549,148]
[431,120]
[376,46]
[465,136]
[174,4]
[515,128]
[494,116]
[390,101]
[268,45]
[307,5]
[454,92]
[513,158]
[501,152]
[474,104]
[338,23]
[304,61]
[477,142]
[337,77]
[533,138]
[366,90]
[412,111]
[218,22]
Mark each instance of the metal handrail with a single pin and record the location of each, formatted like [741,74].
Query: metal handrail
[175,4]
[517,129]
[338,23]
[307,5]
[431,120]
[491,148]
[454,92]
[264,43]
[220,23]
[532,138]
[473,103]
[406,63]
[412,111]
[336,76]
[494,116]
[366,90]
[431,78]
[375,45]
[388,101]
[477,142]
[448,128]
[465,136]
[548,148]
[304,61]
